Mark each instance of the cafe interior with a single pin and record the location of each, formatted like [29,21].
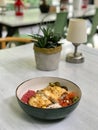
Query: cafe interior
[49,64]
[75,8]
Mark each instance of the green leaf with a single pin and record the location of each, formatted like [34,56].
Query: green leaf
[48,39]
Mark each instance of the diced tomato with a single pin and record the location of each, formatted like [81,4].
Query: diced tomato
[67,99]
[25,98]
[71,95]
[64,104]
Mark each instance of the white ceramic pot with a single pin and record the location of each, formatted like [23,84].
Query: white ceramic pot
[47,61]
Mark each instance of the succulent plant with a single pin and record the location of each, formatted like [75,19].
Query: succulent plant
[48,39]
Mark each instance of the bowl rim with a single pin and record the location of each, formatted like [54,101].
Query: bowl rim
[48,77]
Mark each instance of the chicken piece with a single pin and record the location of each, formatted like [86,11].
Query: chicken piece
[53,93]
[39,100]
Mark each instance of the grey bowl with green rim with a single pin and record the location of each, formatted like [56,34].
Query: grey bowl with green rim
[51,113]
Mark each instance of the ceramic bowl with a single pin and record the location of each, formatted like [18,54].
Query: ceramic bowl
[42,113]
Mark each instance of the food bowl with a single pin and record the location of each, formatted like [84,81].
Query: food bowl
[40,83]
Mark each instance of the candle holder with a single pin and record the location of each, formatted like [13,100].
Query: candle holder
[75,57]
[19,8]
[77,35]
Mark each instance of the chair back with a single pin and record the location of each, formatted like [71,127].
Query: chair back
[93,29]
[25,40]
[94,23]
[60,23]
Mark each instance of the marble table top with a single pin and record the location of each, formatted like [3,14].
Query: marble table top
[18,64]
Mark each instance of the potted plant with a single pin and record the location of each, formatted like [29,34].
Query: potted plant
[44,7]
[47,49]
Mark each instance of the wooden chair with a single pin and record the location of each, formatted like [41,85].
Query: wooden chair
[93,29]
[14,39]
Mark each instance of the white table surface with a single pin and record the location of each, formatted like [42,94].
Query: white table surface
[31,17]
[18,64]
